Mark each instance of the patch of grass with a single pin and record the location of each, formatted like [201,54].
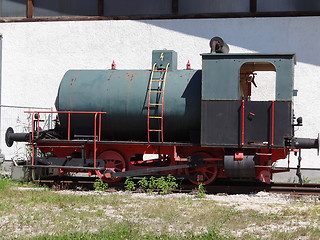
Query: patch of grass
[310,233]
[125,230]
[6,183]
[172,212]
[301,211]
[128,231]
[46,214]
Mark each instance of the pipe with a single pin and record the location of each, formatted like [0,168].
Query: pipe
[11,137]
[307,143]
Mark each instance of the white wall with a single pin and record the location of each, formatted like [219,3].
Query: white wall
[36,55]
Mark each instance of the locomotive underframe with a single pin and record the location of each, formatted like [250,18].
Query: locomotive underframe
[113,160]
[122,159]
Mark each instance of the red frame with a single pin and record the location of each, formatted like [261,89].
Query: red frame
[35,124]
[178,153]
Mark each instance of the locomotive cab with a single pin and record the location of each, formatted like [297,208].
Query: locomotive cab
[227,80]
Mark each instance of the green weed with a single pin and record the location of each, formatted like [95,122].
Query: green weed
[99,185]
[129,184]
[306,179]
[163,185]
[201,191]
[143,183]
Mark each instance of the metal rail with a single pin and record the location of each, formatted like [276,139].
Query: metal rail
[295,188]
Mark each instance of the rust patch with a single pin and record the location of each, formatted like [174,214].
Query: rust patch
[130,76]
[72,81]
[109,78]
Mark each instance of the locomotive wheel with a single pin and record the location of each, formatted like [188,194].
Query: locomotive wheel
[203,174]
[114,161]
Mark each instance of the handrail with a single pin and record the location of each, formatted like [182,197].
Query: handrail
[96,137]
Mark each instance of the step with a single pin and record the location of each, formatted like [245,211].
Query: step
[153,91]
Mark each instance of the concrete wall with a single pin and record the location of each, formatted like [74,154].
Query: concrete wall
[36,55]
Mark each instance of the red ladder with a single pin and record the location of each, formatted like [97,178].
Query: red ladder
[156,89]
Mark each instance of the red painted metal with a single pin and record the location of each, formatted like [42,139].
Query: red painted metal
[114,161]
[272,123]
[188,66]
[162,116]
[177,155]
[69,125]
[205,174]
[36,126]
[148,118]
[32,140]
[95,141]
[72,112]
[113,65]
[100,124]
[169,155]
[242,122]
[238,156]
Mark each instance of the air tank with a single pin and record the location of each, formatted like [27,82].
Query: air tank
[123,94]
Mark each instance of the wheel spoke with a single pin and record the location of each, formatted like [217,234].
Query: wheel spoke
[205,175]
[213,171]
[209,173]
[113,161]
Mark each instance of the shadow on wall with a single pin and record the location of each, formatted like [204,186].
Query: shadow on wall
[265,35]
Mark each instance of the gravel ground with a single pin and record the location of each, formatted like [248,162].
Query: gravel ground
[261,203]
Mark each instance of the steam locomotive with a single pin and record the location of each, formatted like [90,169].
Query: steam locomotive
[200,125]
